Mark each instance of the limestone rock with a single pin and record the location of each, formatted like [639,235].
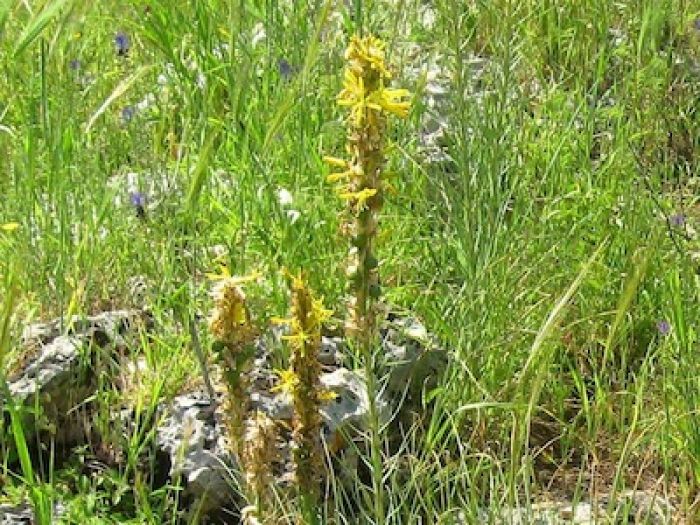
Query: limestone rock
[346,414]
[22,514]
[56,368]
[193,437]
[16,514]
[414,359]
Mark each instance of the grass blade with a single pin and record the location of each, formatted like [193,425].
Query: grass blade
[36,25]
[122,88]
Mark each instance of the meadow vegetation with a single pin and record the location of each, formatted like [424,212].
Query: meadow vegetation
[553,248]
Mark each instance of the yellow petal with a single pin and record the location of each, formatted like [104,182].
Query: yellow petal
[335,177]
[10,226]
[335,162]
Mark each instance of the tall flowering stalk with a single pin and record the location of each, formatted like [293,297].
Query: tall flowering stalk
[235,333]
[362,182]
[302,381]
[363,185]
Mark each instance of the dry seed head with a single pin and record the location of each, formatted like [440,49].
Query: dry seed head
[259,453]
[229,321]
[308,315]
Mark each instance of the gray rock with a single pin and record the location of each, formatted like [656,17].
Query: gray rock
[50,372]
[347,413]
[193,436]
[640,506]
[113,324]
[331,354]
[414,359]
[55,370]
[22,514]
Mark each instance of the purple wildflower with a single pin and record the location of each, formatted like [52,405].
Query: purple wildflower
[138,201]
[677,220]
[696,24]
[122,43]
[127,114]
[664,328]
[75,64]
[285,68]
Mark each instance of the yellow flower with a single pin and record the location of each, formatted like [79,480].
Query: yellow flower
[353,96]
[335,162]
[327,395]
[299,337]
[354,171]
[360,197]
[368,51]
[321,313]
[10,226]
[287,381]
[390,101]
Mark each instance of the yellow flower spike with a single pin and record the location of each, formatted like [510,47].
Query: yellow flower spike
[229,320]
[307,315]
[259,452]
[9,226]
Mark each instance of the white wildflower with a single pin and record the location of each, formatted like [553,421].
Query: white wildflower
[284,197]
[258,34]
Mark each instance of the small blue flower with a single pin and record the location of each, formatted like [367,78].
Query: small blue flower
[122,43]
[677,220]
[664,328]
[75,64]
[285,68]
[137,198]
[138,201]
[127,114]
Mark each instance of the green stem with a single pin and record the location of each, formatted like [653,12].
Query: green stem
[367,336]
[375,436]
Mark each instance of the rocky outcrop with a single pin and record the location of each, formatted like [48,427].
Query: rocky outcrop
[56,369]
[192,433]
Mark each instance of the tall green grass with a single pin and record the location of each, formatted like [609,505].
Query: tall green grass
[582,135]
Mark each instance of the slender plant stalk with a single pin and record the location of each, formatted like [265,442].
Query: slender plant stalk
[369,102]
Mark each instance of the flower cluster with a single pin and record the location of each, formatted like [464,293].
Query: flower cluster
[302,381]
[231,326]
[361,180]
